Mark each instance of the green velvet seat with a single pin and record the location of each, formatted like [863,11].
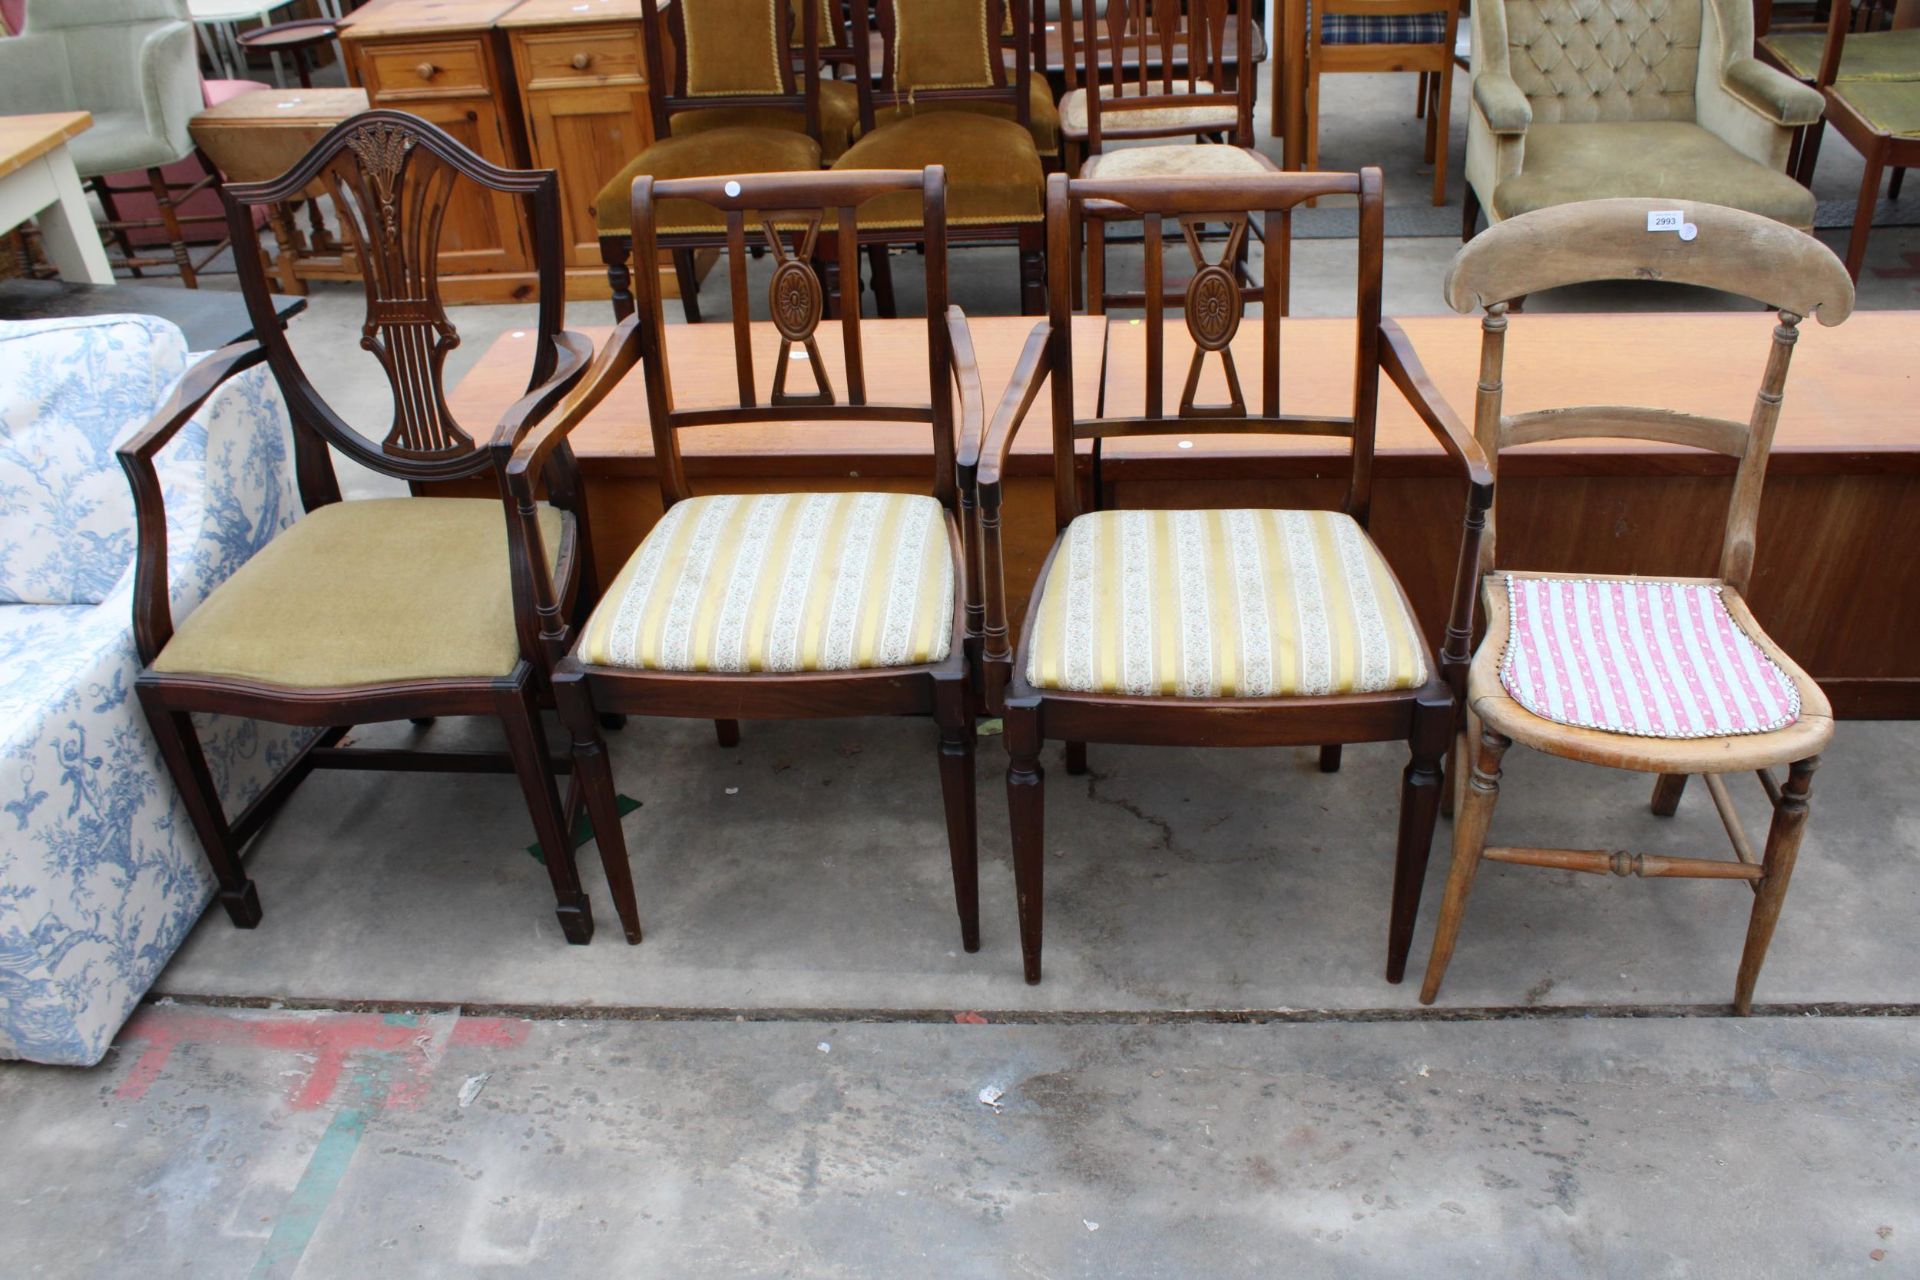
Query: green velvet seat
[1043,117]
[839,119]
[1875,55]
[993,170]
[1891,106]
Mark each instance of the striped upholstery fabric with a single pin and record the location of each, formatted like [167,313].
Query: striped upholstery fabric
[1654,659]
[1221,604]
[782,582]
[1388,28]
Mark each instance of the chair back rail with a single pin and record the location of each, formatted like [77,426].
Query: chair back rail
[1731,250]
[1116,53]
[1212,307]
[391,175]
[1004,35]
[705,77]
[802,220]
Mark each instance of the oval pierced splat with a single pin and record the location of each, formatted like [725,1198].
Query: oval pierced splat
[795,300]
[1213,307]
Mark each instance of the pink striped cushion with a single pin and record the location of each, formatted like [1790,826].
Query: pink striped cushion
[1656,659]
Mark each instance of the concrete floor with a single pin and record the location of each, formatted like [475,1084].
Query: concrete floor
[405,1070]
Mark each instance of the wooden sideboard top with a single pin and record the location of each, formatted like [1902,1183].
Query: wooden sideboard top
[27,138]
[290,108]
[554,13]
[383,18]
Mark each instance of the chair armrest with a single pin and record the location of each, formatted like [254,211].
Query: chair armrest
[574,353]
[170,84]
[152,601]
[1501,102]
[1774,94]
[535,443]
[1402,365]
[983,456]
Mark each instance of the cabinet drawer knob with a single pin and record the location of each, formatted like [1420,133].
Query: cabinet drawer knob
[581,61]
[427,70]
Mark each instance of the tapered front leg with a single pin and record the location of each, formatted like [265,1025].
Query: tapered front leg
[1470,821]
[1026,810]
[1783,850]
[527,744]
[1667,789]
[593,774]
[180,748]
[1420,788]
[953,706]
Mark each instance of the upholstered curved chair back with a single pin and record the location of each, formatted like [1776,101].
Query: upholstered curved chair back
[1582,61]
[132,63]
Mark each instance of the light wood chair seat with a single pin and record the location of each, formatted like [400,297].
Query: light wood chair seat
[1499,710]
[1180,160]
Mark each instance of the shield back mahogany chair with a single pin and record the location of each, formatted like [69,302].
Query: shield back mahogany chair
[383,608]
[1673,677]
[1216,628]
[956,80]
[784,605]
[736,106]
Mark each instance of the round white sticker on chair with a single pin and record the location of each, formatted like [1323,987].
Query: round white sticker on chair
[733,188]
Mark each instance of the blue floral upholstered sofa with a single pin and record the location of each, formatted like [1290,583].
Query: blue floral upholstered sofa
[101,875]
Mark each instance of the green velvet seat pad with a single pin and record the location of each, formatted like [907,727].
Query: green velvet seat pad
[994,176]
[370,592]
[1890,106]
[839,118]
[1663,159]
[1874,55]
[713,153]
[1043,117]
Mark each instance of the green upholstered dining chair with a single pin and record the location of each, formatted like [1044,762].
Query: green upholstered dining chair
[1878,115]
[381,609]
[733,62]
[1659,98]
[1797,48]
[134,65]
[955,88]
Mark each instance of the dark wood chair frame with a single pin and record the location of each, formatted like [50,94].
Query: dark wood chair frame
[1424,717]
[878,89]
[1735,252]
[391,174]
[797,206]
[802,92]
[1878,149]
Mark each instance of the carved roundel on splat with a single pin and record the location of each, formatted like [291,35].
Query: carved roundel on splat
[1213,307]
[796,300]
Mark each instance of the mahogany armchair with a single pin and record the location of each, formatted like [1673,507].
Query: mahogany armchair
[388,608]
[1668,676]
[784,605]
[1216,628]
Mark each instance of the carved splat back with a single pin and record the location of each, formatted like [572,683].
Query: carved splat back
[1153,57]
[1728,249]
[804,224]
[389,177]
[1211,225]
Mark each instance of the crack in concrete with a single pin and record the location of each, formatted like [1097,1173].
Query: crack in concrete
[1165,828]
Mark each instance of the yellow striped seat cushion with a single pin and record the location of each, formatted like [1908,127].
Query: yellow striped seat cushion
[782,582]
[1221,604]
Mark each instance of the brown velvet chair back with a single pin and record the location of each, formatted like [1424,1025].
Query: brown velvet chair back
[944,50]
[1142,58]
[735,53]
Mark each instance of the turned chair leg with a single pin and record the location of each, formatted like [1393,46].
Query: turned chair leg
[180,748]
[1330,759]
[1420,788]
[170,218]
[593,774]
[1783,849]
[1469,838]
[614,251]
[1666,794]
[527,744]
[1026,810]
[953,708]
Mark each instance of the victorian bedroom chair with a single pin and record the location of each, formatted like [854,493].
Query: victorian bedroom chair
[381,608]
[1666,676]
[1304,636]
[779,605]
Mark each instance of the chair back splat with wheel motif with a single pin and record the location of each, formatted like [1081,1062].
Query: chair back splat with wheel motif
[1163,68]
[1212,305]
[1727,249]
[390,176]
[804,221]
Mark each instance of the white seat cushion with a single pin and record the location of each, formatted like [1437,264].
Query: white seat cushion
[1208,119]
[1180,160]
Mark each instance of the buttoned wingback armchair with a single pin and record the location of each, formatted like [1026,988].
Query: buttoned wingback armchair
[1589,99]
[134,65]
